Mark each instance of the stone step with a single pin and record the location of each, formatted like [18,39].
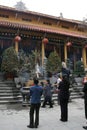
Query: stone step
[76,96]
[10,97]
[9,94]
[7,85]
[9,91]
[6,81]
[7,88]
[10,101]
[77,92]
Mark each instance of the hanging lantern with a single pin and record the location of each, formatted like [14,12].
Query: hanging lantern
[86,46]
[69,44]
[45,41]
[17,39]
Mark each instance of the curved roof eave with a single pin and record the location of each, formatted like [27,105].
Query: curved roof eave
[41,29]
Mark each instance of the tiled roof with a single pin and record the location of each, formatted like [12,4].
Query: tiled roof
[42,29]
[41,14]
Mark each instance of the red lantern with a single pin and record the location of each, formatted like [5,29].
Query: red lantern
[45,41]
[17,39]
[86,46]
[69,44]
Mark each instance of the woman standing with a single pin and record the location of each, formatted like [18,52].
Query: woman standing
[64,97]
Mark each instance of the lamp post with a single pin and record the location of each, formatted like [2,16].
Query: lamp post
[17,40]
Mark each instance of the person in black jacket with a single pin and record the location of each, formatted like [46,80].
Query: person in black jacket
[64,97]
[85,100]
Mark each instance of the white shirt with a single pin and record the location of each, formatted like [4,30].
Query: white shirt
[59,80]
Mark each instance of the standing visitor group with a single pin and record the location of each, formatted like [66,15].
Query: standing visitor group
[36,92]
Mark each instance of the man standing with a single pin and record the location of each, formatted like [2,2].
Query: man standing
[47,95]
[35,100]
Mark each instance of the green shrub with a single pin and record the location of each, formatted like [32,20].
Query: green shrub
[79,68]
[9,60]
[53,63]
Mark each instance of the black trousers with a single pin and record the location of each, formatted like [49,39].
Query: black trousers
[85,102]
[64,110]
[49,100]
[34,109]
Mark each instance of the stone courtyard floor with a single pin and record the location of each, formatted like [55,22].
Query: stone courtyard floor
[16,117]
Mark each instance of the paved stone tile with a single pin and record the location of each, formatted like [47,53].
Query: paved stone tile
[16,117]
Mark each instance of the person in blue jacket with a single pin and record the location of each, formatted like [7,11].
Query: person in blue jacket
[35,101]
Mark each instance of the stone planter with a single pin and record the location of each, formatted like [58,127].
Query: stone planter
[9,76]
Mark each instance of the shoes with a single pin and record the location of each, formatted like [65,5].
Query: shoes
[43,106]
[63,120]
[85,127]
[29,126]
[36,127]
[51,107]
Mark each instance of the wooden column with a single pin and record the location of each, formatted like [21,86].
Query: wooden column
[44,42]
[16,46]
[43,53]
[17,40]
[84,57]
[65,52]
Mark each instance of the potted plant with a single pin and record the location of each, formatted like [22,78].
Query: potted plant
[79,68]
[53,64]
[9,62]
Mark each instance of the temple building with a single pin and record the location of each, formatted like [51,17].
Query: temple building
[68,37]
